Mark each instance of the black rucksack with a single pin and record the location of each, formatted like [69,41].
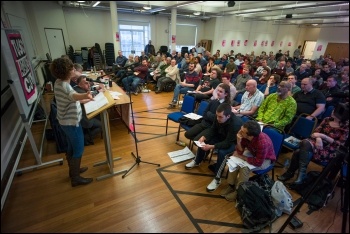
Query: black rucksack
[318,197]
[255,206]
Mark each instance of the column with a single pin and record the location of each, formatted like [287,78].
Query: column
[115,26]
[173,28]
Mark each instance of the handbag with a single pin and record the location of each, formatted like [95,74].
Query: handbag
[189,122]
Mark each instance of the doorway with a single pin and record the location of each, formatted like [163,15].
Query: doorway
[55,42]
[308,49]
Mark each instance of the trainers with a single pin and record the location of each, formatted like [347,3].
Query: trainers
[214,184]
[136,93]
[191,165]
[227,191]
[231,196]
[173,102]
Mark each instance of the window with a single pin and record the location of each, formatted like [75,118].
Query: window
[186,36]
[133,37]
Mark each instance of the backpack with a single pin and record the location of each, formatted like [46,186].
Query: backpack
[319,196]
[255,206]
[189,122]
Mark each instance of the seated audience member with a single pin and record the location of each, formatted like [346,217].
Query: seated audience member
[120,60]
[198,67]
[241,80]
[278,109]
[343,82]
[225,78]
[259,70]
[78,71]
[161,71]
[326,72]
[271,62]
[295,88]
[121,72]
[223,61]
[301,73]
[184,68]
[171,74]
[206,88]
[289,68]
[280,70]
[230,67]
[221,136]
[265,76]
[190,82]
[309,100]
[251,100]
[209,114]
[249,137]
[271,85]
[202,61]
[93,125]
[140,73]
[315,81]
[321,147]
[210,65]
[332,88]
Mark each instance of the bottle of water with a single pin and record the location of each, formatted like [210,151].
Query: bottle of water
[180,143]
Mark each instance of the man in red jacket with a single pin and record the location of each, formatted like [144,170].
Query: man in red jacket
[140,72]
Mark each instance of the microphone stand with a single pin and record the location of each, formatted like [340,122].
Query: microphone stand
[133,132]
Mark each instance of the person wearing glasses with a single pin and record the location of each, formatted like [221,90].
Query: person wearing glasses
[278,109]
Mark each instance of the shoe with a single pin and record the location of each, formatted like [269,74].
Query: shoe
[212,167]
[214,184]
[173,102]
[229,189]
[191,165]
[286,176]
[231,196]
[136,93]
[171,106]
[158,91]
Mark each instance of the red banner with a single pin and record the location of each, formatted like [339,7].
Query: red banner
[245,42]
[117,36]
[232,42]
[255,42]
[262,43]
[223,43]
[281,43]
[238,42]
[173,38]
[272,43]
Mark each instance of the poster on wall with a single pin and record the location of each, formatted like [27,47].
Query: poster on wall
[262,43]
[117,36]
[223,43]
[173,38]
[238,42]
[319,47]
[245,42]
[281,43]
[255,42]
[272,43]
[232,42]
[266,42]
[289,43]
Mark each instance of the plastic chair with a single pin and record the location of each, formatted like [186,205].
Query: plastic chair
[327,112]
[187,107]
[238,98]
[277,137]
[200,111]
[301,129]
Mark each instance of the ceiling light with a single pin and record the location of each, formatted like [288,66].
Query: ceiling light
[196,13]
[147,7]
[96,3]
[80,1]
[314,24]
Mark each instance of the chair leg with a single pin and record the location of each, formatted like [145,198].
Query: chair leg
[178,133]
[166,128]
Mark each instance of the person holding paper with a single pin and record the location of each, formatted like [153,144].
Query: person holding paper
[262,155]
[69,114]
[131,82]
[221,136]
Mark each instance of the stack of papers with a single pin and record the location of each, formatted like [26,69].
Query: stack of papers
[181,155]
[234,162]
[199,144]
[115,95]
[99,101]
[193,116]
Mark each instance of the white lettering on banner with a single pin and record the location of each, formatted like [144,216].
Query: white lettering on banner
[24,66]
[18,47]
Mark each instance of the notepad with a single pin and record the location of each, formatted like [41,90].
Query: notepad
[99,101]
[193,116]
[234,162]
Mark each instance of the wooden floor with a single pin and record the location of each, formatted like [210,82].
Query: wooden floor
[149,199]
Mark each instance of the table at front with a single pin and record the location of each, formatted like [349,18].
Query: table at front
[123,105]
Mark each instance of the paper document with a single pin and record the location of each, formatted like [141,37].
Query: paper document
[99,101]
[115,95]
[193,116]
[292,140]
[199,144]
[189,91]
[181,155]
[234,162]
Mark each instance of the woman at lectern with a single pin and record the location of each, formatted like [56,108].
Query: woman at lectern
[69,114]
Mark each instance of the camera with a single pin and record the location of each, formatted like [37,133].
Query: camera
[94,91]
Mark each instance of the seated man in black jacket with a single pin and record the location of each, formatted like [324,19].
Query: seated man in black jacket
[93,126]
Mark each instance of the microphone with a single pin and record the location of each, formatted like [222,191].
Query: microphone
[91,80]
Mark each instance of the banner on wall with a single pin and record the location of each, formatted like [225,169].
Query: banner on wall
[262,43]
[272,43]
[319,47]
[281,43]
[117,36]
[266,42]
[173,38]
[255,42]
[238,42]
[245,42]
[223,43]
[289,43]
[232,42]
